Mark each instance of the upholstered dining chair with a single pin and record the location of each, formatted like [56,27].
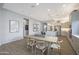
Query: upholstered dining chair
[41,45]
[30,43]
[57,46]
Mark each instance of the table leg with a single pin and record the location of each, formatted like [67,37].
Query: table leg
[49,48]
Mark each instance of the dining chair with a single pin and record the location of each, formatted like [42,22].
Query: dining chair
[56,46]
[41,45]
[31,43]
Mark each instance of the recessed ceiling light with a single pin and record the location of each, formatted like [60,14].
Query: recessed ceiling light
[37,4]
[48,9]
[64,5]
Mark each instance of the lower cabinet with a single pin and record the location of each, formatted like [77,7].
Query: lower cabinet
[74,41]
[75,44]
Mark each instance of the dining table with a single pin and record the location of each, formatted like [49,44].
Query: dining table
[49,39]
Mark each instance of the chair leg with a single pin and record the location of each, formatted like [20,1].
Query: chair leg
[60,51]
[27,46]
[42,52]
[49,44]
[51,50]
[32,49]
[48,51]
[35,51]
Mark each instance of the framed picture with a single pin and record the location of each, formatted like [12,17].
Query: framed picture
[13,26]
[35,27]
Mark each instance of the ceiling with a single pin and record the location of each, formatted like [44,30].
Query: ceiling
[43,11]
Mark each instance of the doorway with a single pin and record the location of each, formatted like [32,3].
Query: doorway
[25,27]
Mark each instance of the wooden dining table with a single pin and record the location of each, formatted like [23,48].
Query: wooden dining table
[49,39]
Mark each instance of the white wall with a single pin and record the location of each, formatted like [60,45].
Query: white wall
[1,26]
[5,35]
[31,22]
